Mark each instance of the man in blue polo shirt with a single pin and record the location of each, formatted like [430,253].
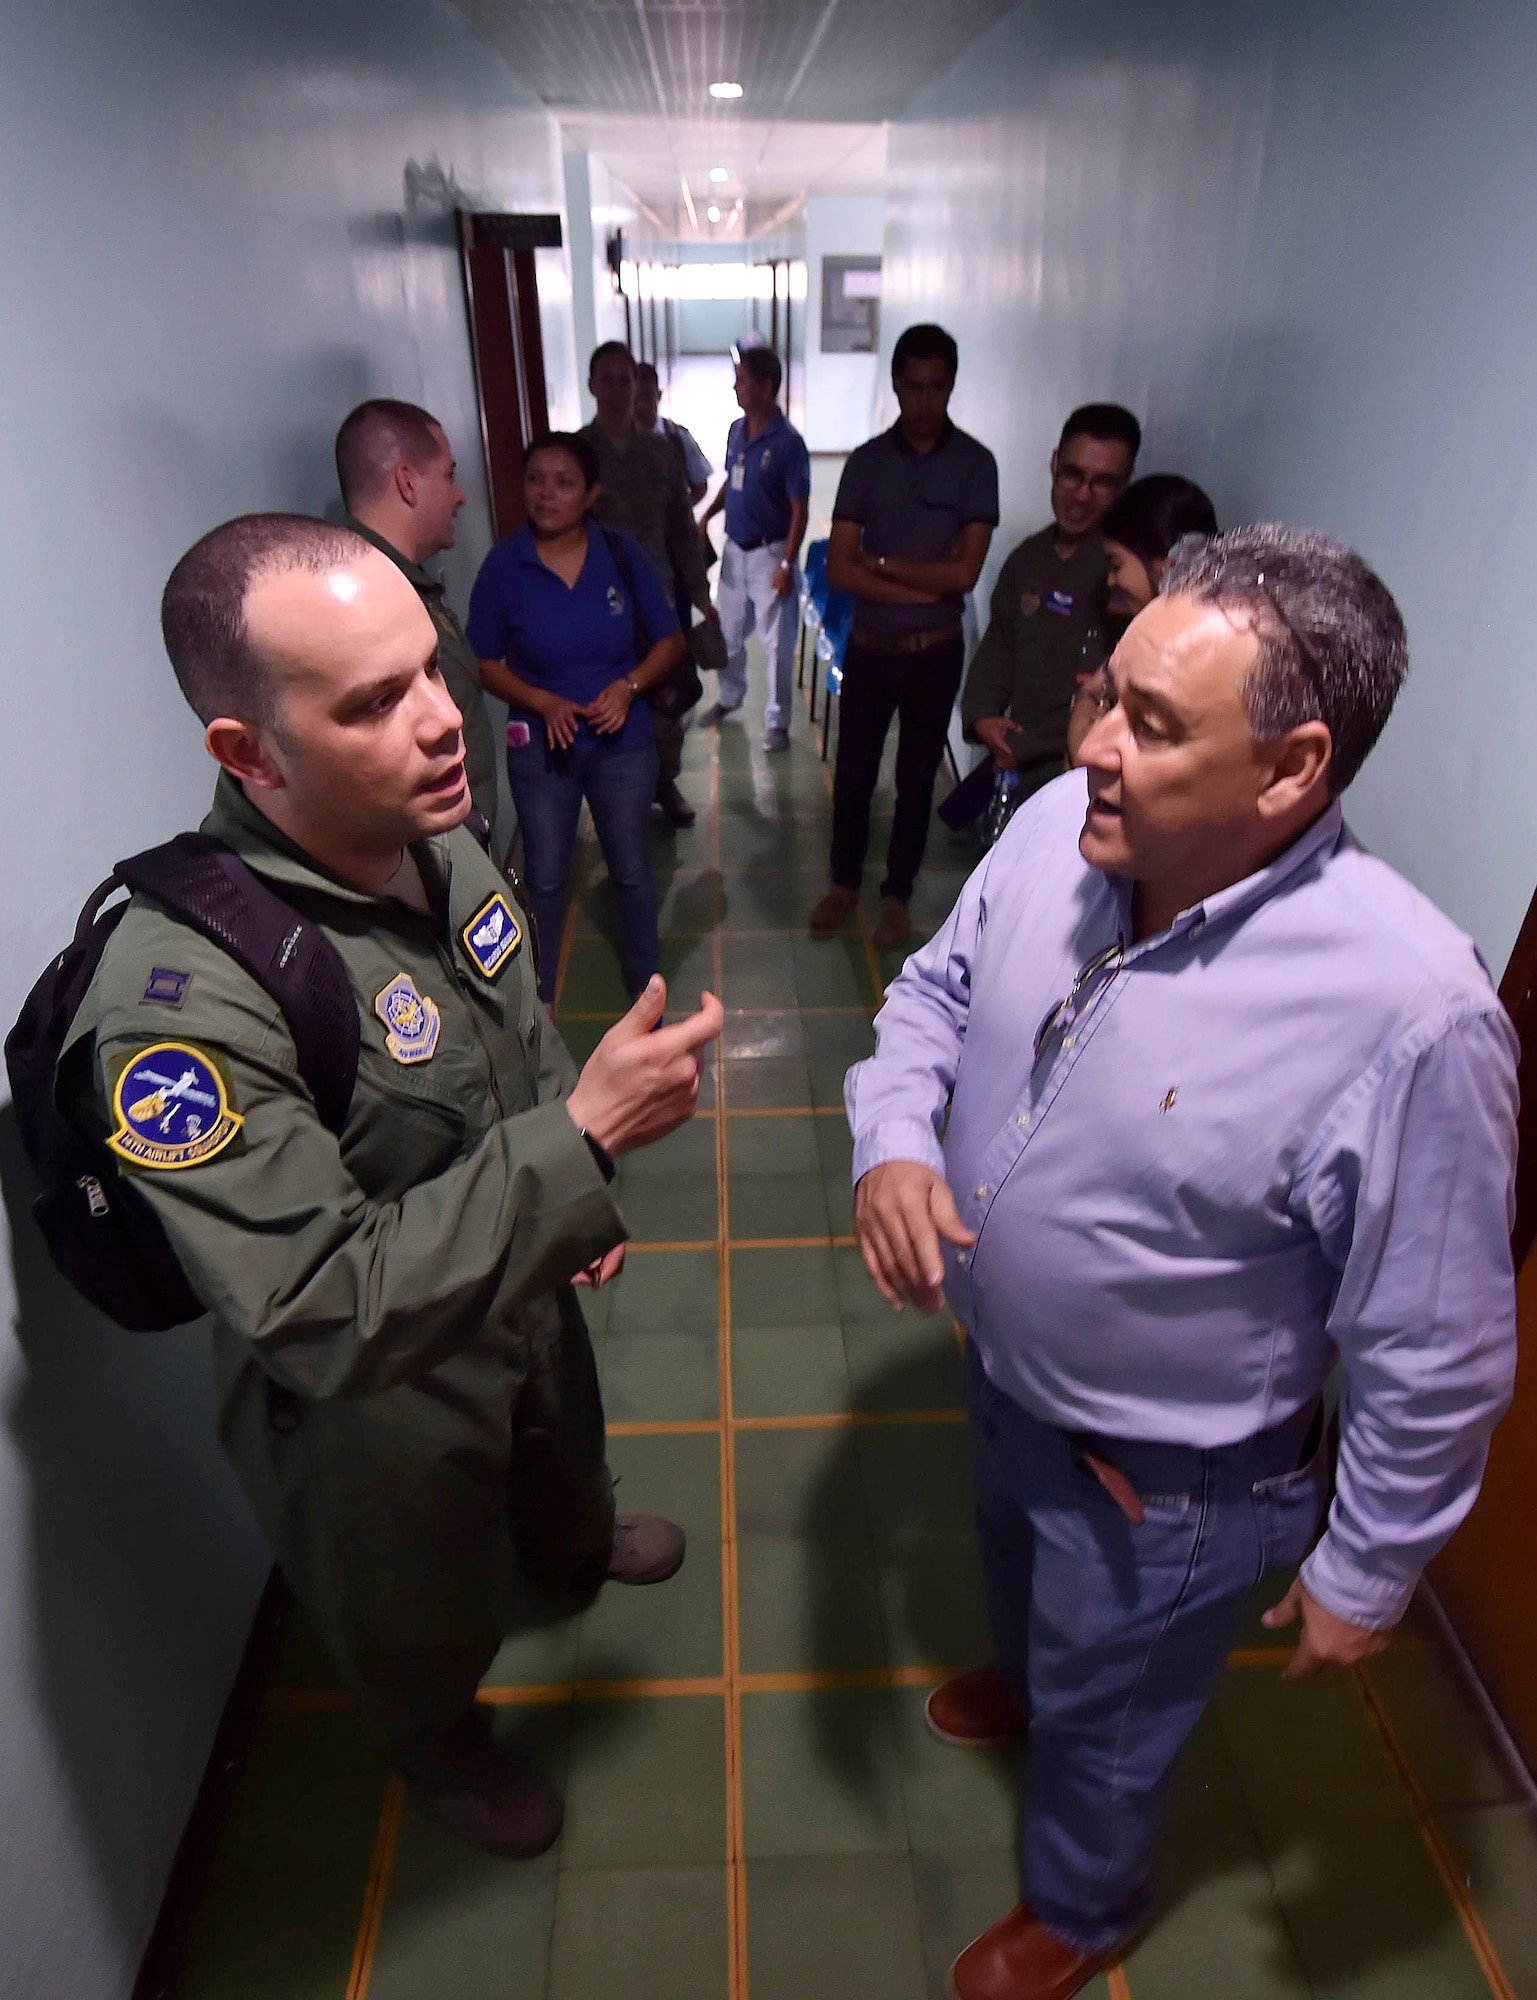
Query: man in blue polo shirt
[766,495]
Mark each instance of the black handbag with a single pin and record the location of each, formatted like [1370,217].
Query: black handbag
[676,695]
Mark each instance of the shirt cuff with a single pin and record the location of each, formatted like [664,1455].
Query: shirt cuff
[1364,1597]
[897,1139]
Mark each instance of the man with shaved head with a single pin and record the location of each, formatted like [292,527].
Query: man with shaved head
[400,487]
[405,1381]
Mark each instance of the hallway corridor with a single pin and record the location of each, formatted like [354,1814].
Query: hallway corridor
[754,1805]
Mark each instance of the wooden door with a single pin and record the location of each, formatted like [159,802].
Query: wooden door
[1486,1579]
[501,290]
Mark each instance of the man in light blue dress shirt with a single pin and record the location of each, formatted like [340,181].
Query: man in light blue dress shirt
[1266,1122]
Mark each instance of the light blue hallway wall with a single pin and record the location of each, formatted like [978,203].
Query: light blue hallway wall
[1298,241]
[223,224]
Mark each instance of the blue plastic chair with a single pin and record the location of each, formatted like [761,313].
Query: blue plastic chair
[813,601]
[832,644]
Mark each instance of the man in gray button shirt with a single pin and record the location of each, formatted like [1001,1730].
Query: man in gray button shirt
[916,509]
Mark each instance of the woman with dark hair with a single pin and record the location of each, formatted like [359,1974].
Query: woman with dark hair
[572,626]
[1140,531]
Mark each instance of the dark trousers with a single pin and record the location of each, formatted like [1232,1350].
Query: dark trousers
[919,689]
[1112,1635]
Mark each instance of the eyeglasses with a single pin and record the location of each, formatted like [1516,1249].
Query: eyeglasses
[1103,485]
[1101,968]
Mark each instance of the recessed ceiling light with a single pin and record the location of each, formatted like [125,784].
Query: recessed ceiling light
[725,90]
[719,174]
[712,213]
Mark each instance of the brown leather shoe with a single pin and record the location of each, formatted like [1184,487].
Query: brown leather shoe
[1019,1959]
[975,1709]
[833,912]
[892,926]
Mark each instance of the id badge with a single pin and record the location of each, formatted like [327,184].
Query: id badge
[739,475]
[519,736]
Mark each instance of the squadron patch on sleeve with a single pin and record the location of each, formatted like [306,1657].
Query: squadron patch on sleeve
[411,1020]
[172,1108]
[492,935]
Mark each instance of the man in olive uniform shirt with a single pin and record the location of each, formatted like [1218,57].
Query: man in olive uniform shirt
[643,493]
[405,1382]
[401,491]
[1049,610]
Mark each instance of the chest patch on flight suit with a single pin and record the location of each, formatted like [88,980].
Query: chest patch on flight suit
[411,1018]
[1029,603]
[172,1108]
[1061,603]
[492,935]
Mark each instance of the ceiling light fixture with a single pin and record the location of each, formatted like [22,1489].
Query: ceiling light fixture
[725,90]
[719,174]
[712,213]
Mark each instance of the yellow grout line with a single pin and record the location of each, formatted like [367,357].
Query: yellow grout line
[1451,1876]
[536,1694]
[850,1420]
[853,1679]
[541,1694]
[731,1638]
[819,1420]
[381,1864]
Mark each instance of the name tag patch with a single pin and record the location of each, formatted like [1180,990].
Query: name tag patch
[492,935]
[738,475]
[411,1020]
[172,1108]
[1061,603]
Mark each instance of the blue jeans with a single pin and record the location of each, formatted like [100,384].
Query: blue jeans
[1112,1636]
[619,783]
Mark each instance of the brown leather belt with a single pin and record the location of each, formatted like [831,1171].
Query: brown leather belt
[903,642]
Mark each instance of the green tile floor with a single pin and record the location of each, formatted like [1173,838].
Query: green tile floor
[753,1803]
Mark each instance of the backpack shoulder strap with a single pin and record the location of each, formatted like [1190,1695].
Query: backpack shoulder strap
[626,571]
[207,886]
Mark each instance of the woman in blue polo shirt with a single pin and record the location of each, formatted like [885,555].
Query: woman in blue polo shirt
[571,627]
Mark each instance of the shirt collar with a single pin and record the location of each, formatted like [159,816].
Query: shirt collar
[412,571]
[909,451]
[772,428]
[1240,899]
[269,852]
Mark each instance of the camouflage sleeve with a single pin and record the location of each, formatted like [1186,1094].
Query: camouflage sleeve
[340,1294]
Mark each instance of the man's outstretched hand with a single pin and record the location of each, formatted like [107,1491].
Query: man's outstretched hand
[1327,1639]
[901,1210]
[642,1081]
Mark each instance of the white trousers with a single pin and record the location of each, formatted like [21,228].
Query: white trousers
[747,601]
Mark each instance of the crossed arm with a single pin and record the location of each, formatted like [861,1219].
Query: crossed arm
[901,579]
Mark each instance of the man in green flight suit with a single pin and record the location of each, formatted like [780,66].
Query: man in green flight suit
[1050,610]
[400,487]
[405,1382]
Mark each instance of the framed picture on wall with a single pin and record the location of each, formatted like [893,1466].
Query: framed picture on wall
[851,305]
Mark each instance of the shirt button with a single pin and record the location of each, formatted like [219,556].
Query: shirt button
[962,1259]
[981,1194]
[1024,1118]
[1069,1042]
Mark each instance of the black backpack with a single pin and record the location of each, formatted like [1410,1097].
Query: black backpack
[100,1231]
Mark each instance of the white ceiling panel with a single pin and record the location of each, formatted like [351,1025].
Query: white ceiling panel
[631,80]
